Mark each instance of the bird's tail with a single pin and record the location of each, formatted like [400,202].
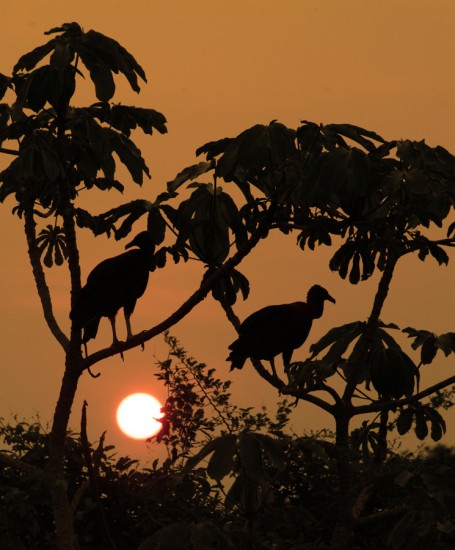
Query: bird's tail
[85,317]
[90,329]
[237,356]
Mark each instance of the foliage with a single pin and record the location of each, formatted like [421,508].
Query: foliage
[279,491]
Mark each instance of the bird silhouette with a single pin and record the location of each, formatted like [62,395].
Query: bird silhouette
[113,284]
[277,329]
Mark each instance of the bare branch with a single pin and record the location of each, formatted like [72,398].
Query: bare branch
[393,405]
[9,151]
[306,395]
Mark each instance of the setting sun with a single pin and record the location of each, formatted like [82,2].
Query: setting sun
[138,414]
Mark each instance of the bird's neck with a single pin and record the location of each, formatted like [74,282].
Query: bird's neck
[316,308]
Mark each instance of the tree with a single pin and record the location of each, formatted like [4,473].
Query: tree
[335,185]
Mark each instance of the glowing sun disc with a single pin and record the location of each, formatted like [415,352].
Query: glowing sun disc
[137,415]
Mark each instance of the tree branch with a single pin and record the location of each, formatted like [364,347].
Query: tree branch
[9,151]
[40,279]
[392,405]
[305,395]
[73,252]
[197,297]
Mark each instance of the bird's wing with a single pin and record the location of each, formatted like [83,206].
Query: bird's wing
[270,318]
[114,283]
[111,267]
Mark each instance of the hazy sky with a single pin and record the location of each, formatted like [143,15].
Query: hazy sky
[214,69]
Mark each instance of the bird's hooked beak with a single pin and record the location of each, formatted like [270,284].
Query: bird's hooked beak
[330,299]
[132,243]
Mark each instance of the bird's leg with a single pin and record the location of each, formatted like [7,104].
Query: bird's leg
[287,355]
[129,332]
[115,341]
[114,333]
[272,364]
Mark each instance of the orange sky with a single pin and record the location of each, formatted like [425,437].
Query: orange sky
[214,69]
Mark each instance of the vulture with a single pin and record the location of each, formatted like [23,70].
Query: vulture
[277,329]
[113,284]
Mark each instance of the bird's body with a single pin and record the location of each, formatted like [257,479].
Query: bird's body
[113,284]
[278,329]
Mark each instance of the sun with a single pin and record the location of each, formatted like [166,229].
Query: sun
[138,414]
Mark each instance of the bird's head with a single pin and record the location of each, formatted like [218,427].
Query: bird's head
[318,293]
[144,241]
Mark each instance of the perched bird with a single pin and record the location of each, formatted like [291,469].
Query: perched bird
[277,329]
[113,284]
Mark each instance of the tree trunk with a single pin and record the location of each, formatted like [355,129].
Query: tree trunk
[342,533]
[55,472]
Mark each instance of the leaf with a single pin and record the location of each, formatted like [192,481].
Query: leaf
[250,457]
[261,147]
[438,424]
[203,453]
[188,174]
[354,276]
[438,253]
[234,494]
[333,174]
[103,80]
[222,460]
[31,59]
[429,350]
[436,430]
[357,134]
[341,259]
[347,333]
[5,83]
[125,118]
[109,53]
[380,375]
[274,449]
[404,422]
[106,184]
[130,156]
[156,225]
[387,338]
[421,427]
[446,343]
[127,224]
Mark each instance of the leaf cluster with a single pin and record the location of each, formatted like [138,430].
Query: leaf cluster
[63,149]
